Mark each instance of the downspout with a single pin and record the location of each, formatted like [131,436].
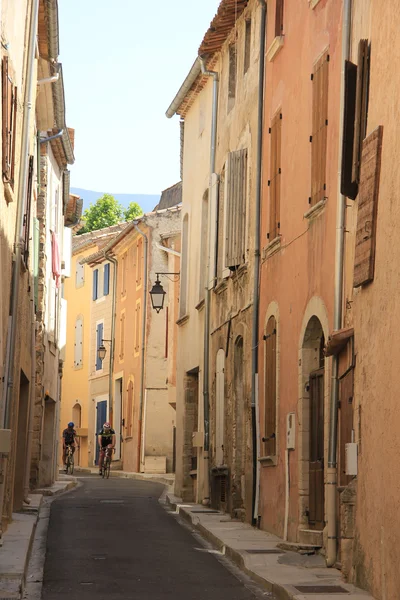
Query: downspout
[32,390]
[337,314]
[207,293]
[112,344]
[22,190]
[256,275]
[144,318]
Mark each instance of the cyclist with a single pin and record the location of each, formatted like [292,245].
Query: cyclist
[106,439]
[69,439]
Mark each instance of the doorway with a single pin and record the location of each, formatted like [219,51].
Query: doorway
[101,417]
[117,425]
[240,441]
[317,491]
[22,432]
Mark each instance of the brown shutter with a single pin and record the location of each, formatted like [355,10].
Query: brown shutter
[360,125]
[275,184]
[364,261]
[9,99]
[236,209]
[270,388]
[319,129]
[279,18]
[348,187]
[129,416]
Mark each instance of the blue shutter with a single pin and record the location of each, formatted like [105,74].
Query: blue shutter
[99,363]
[95,283]
[106,283]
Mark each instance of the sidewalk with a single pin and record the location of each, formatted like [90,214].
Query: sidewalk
[18,539]
[167,479]
[288,575]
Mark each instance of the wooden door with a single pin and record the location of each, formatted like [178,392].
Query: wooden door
[317,495]
[345,424]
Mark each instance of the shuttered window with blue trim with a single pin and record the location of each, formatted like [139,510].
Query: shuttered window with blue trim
[95,283]
[99,363]
[106,282]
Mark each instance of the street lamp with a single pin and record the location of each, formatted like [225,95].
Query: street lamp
[102,350]
[157,293]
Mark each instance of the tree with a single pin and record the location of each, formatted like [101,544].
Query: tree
[132,211]
[106,211]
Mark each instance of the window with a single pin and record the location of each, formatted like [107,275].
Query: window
[232,77]
[247,46]
[95,284]
[319,129]
[203,247]
[275,174]
[80,273]
[99,341]
[27,211]
[138,313]
[129,415]
[235,209]
[184,267]
[139,262]
[106,280]
[78,345]
[355,119]
[9,100]
[123,274]
[279,18]
[122,337]
[270,389]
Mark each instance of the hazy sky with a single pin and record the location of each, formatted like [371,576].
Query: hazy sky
[123,62]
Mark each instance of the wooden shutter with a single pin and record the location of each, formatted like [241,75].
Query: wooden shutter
[122,340]
[129,416]
[137,327]
[106,281]
[27,215]
[9,114]
[279,18]
[319,129]
[99,363]
[95,283]
[360,125]
[270,388]
[275,181]
[348,187]
[235,235]
[364,261]
[139,261]
[78,349]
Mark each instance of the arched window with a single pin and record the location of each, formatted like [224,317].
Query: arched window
[219,407]
[183,307]
[77,415]
[270,388]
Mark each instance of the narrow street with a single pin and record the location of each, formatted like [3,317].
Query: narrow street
[113,539]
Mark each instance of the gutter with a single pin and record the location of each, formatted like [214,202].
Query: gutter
[112,345]
[256,276]
[184,89]
[59,111]
[331,553]
[51,8]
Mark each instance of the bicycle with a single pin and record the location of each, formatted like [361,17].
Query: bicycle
[69,460]
[105,469]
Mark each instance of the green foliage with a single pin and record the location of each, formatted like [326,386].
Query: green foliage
[132,212]
[107,211]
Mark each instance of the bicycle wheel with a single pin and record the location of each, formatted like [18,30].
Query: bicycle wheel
[108,466]
[71,465]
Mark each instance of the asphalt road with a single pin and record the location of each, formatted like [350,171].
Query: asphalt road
[113,540]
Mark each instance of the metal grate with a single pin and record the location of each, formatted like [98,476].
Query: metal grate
[223,489]
[321,589]
[262,551]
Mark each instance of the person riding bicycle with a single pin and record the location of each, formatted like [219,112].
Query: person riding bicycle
[69,439]
[106,439]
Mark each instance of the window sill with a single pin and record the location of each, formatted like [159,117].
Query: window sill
[221,286]
[128,438]
[100,300]
[200,304]
[315,210]
[182,320]
[239,272]
[268,461]
[313,3]
[193,473]
[275,47]
[8,192]
[272,248]
[79,368]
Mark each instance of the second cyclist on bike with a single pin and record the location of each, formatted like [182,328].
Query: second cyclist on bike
[106,439]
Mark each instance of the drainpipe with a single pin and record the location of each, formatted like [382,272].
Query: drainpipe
[44,140]
[112,344]
[51,79]
[337,314]
[256,275]
[22,189]
[144,318]
[207,294]
[27,500]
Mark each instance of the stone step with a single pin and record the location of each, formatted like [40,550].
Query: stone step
[311,536]
[298,547]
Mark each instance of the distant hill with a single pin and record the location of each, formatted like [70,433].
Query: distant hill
[146,201]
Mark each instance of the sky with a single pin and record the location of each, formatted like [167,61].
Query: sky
[123,62]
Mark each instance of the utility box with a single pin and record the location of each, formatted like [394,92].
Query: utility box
[290,431]
[351,459]
[197,439]
[5,441]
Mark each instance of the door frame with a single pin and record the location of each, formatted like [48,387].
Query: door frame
[317,524]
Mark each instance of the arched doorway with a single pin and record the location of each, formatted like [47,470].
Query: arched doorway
[312,426]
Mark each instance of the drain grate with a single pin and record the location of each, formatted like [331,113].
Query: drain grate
[262,551]
[321,589]
[206,512]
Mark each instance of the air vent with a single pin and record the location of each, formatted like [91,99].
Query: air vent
[321,589]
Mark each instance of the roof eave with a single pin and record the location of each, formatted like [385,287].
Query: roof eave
[184,89]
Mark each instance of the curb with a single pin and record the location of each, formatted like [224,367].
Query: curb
[126,475]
